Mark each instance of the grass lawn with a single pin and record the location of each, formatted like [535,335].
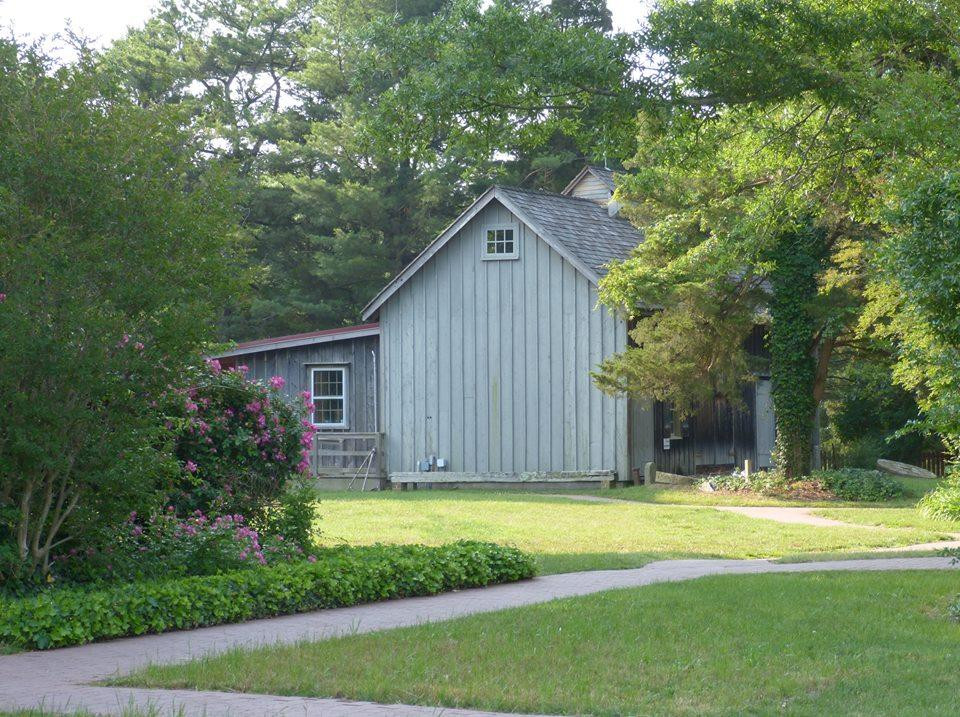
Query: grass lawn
[890,517]
[807,644]
[567,535]
[914,488]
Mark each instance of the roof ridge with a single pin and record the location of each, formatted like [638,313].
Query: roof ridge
[542,193]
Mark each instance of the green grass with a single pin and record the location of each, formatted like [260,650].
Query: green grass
[892,518]
[568,535]
[820,557]
[806,644]
[914,488]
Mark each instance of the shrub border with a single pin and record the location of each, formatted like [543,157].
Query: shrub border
[340,577]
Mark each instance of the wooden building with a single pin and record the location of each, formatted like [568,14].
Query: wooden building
[480,358]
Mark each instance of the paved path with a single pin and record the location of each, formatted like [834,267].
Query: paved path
[58,679]
[802,516]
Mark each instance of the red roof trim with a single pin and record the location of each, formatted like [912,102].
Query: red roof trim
[308,335]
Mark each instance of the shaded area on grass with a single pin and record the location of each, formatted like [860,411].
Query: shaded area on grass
[567,535]
[817,643]
[914,489]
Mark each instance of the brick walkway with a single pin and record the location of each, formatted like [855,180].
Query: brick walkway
[58,679]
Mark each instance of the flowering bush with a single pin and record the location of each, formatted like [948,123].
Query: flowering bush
[165,545]
[239,442]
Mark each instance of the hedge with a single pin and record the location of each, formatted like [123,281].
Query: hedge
[340,577]
[860,484]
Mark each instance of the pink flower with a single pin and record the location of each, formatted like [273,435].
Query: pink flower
[311,558]
[278,382]
[138,346]
[191,466]
[214,366]
[3,297]
[243,368]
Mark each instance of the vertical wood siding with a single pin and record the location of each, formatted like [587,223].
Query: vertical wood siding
[294,365]
[589,187]
[487,363]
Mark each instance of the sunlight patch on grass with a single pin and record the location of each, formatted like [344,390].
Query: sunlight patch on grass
[569,535]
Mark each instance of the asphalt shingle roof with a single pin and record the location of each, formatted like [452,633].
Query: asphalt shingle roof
[584,227]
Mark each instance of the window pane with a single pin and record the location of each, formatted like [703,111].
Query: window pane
[500,241]
[328,383]
[328,410]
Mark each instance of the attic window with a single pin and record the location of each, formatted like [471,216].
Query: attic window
[500,243]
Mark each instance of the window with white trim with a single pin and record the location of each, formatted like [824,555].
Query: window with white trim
[328,396]
[500,242]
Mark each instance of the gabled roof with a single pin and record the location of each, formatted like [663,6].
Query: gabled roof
[602,173]
[583,226]
[344,333]
[581,231]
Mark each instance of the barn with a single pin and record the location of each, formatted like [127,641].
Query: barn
[475,366]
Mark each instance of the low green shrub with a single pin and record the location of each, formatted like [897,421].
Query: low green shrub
[944,500]
[338,577]
[758,482]
[860,484]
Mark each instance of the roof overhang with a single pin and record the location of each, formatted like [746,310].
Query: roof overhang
[297,340]
[493,193]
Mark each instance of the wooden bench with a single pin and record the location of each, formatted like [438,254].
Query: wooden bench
[401,481]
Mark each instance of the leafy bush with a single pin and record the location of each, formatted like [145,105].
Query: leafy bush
[860,484]
[118,251]
[757,482]
[240,442]
[165,545]
[944,500]
[339,577]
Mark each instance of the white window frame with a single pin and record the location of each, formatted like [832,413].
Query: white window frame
[515,254]
[314,398]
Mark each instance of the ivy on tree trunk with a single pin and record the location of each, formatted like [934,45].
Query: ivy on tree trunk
[797,259]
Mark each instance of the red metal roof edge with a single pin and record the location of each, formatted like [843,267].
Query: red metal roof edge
[308,335]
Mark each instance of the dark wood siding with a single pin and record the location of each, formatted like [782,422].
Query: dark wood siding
[717,437]
[360,357]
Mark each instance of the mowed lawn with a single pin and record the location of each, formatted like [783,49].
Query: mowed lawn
[807,644]
[568,535]
[661,494]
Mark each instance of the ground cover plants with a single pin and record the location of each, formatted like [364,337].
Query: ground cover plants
[338,577]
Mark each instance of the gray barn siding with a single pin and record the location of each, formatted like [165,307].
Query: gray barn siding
[294,365]
[487,363]
[589,187]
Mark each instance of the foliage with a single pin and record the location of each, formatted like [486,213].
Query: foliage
[165,546]
[944,500]
[797,261]
[860,484]
[762,482]
[502,76]
[689,352]
[240,442]
[865,412]
[338,577]
[294,516]
[919,300]
[117,252]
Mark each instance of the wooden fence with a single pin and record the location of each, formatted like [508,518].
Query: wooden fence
[935,462]
[345,455]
